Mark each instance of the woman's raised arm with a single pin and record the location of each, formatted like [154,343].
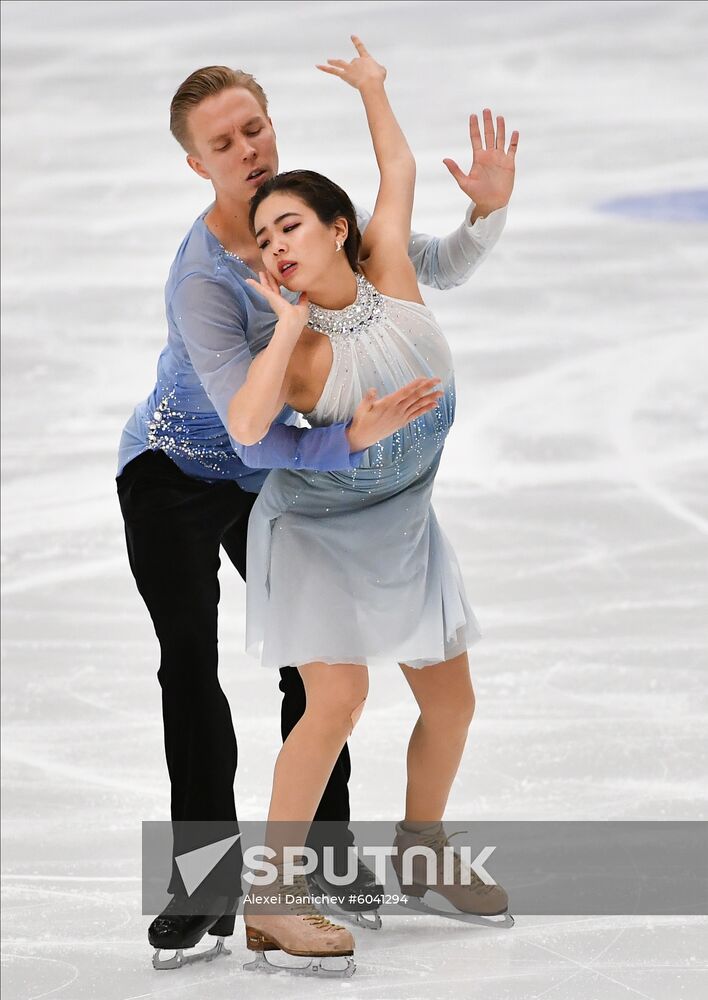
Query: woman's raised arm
[385,242]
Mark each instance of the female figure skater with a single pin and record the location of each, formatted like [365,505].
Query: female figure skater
[348,568]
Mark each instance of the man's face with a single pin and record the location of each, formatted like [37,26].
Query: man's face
[232,140]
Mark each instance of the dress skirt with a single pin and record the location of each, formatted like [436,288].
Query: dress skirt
[353,567]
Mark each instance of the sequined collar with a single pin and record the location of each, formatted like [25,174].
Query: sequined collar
[350,321]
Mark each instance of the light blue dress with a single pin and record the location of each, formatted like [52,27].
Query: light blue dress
[353,566]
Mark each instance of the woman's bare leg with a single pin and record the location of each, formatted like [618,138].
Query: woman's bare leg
[446,700]
[335,695]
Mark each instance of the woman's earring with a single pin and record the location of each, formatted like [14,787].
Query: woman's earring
[339,246]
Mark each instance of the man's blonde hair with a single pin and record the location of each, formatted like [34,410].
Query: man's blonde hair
[205,83]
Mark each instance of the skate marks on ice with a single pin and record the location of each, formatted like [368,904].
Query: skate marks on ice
[586,958]
[83,921]
[599,957]
[414,957]
[641,402]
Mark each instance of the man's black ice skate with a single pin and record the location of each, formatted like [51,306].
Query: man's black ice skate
[357,902]
[175,930]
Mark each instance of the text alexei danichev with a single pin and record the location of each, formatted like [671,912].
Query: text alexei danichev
[324,899]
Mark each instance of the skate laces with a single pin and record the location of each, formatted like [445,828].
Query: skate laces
[438,841]
[303,908]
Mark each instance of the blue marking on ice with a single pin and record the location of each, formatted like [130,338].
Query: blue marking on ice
[667,206]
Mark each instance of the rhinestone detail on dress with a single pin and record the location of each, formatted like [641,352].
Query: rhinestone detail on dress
[350,322]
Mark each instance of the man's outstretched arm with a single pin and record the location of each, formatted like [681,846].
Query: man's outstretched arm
[448,261]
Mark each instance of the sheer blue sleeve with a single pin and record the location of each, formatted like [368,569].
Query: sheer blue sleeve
[447,261]
[286,447]
[212,323]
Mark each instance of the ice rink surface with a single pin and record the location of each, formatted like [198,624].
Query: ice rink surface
[574,484]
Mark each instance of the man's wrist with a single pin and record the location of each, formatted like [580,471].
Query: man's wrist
[482,211]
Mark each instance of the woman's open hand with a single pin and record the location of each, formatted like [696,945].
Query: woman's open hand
[376,419]
[293,314]
[359,71]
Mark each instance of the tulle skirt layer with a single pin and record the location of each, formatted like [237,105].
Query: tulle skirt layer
[353,567]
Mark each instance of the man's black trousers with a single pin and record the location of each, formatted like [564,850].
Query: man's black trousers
[175,526]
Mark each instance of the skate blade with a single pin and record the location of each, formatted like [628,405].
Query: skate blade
[371,920]
[179,958]
[313,968]
[497,920]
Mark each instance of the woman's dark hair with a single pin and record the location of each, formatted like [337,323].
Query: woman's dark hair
[326,199]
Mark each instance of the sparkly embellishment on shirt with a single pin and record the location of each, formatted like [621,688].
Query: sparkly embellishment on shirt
[233,256]
[350,322]
[169,432]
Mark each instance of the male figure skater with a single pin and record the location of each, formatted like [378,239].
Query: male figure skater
[186,487]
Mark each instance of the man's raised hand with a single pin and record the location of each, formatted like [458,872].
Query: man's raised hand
[490,179]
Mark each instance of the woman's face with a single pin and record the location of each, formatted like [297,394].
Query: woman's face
[296,248]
